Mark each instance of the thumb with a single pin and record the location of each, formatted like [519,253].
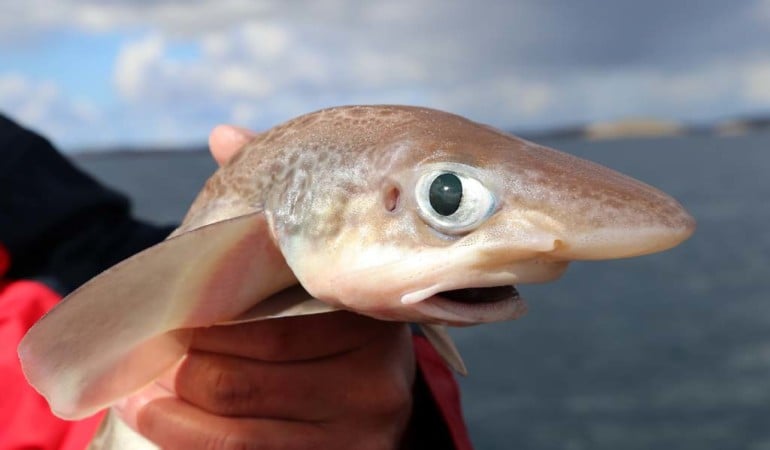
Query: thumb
[226,140]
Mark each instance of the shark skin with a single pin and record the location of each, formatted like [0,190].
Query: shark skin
[395,212]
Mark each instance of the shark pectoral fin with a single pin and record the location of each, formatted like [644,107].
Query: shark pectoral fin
[294,301]
[438,336]
[124,327]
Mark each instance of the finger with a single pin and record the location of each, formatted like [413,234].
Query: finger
[228,386]
[173,424]
[226,140]
[129,407]
[375,379]
[292,338]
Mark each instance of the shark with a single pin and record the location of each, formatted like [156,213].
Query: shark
[399,213]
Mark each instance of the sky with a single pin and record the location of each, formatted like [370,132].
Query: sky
[117,73]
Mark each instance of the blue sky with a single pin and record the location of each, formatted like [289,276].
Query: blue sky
[134,72]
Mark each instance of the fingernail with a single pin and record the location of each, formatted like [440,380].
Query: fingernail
[128,408]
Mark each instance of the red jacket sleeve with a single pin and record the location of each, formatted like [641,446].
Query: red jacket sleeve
[26,422]
[444,391]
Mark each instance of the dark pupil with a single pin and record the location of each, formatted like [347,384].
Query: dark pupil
[445,194]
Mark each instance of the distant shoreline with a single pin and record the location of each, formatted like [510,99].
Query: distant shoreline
[633,128]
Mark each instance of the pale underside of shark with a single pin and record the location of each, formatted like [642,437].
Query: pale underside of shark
[399,213]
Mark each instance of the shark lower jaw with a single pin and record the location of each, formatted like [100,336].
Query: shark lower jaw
[470,306]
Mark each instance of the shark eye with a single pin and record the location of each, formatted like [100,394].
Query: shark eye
[445,194]
[453,202]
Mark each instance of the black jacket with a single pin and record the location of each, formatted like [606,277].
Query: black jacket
[60,225]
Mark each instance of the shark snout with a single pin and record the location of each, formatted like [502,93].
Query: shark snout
[571,209]
[632,219]
[624,240]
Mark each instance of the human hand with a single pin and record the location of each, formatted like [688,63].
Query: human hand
[335,380]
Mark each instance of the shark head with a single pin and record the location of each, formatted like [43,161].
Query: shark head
[451,215]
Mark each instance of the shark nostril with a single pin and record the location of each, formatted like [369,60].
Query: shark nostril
[391,198]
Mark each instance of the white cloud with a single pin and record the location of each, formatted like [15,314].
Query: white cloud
[756,86]
[372,69]
[243,113]
[147,70]
[169,16]
[215,45]
[136,62]
[265,40]
[236,80]
[11,85]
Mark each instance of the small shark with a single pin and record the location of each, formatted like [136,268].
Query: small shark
[399,213]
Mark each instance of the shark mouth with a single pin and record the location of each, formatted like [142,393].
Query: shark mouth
[470,306]
[475,296]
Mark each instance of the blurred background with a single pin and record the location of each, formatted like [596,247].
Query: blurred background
[133,73]
[664,351]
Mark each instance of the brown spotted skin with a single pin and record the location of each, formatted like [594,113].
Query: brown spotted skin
[305,172]
[280,165]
